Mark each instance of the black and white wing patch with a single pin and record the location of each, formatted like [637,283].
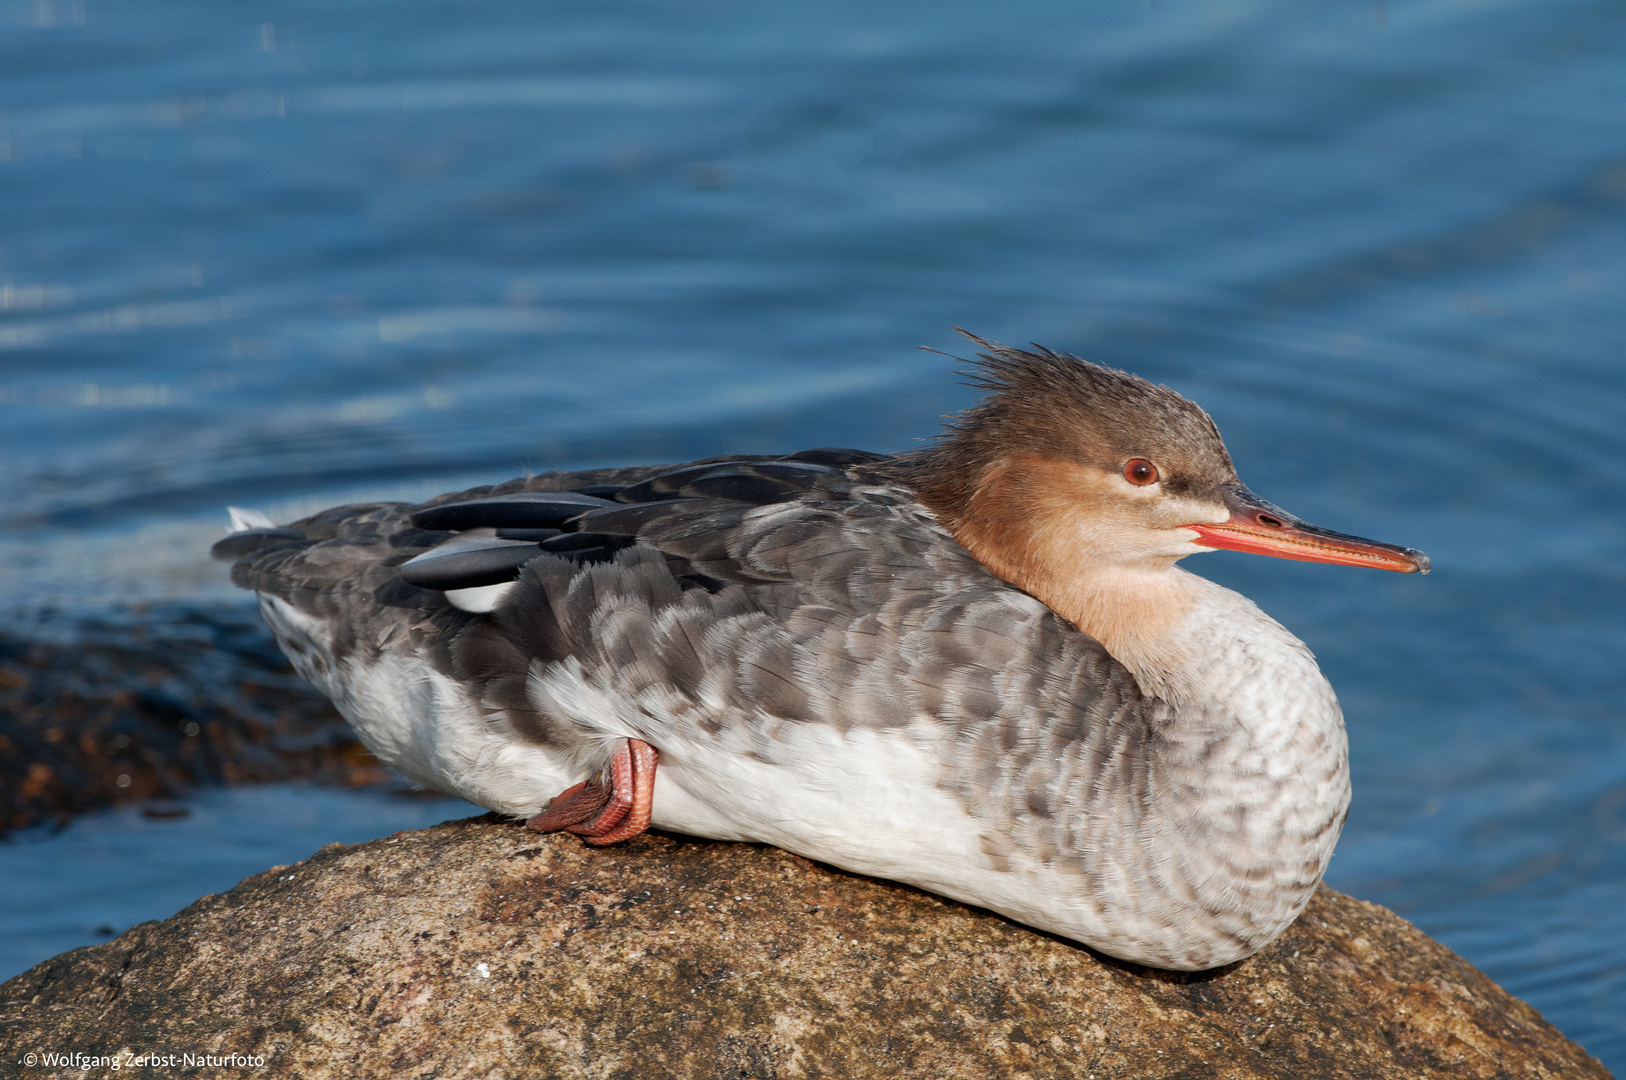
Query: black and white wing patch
[493,536]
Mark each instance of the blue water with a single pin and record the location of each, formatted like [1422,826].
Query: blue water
[106,872]
[282,254]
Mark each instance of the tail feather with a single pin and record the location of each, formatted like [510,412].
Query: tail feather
[251,532]
[243,520]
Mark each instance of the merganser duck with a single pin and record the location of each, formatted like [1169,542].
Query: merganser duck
[974,668]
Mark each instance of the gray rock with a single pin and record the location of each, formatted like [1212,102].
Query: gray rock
[477,949]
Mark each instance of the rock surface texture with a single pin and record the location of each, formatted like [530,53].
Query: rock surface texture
[477,949]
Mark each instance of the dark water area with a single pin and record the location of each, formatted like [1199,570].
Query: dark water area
[287,254]
[106,872]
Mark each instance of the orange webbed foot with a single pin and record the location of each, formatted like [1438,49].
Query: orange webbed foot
[608,808]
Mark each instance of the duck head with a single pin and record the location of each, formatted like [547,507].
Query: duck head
[1070,479]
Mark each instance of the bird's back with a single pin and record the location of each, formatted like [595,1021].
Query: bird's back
[743,597]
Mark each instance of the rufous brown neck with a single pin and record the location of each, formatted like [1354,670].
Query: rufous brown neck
[1046,526]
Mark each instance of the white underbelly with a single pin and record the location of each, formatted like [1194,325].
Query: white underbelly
[867,801]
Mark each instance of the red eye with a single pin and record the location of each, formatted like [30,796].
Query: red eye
[1140,472]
